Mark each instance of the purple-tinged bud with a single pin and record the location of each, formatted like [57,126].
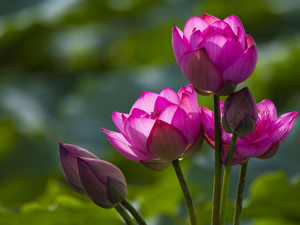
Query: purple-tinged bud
[103,182]
[240,113]
[68,160]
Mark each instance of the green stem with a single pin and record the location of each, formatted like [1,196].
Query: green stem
[240,193]
[218,164]
[124,215]
[133,212]
[226,179]
[186,193]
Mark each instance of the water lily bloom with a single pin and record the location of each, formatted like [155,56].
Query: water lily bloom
[262,143]
[68,160]
[214,55]
[103,182]
[239,114]
[159,128]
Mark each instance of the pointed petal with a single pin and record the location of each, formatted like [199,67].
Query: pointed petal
[166,142]
[220,27]
[137,131]
[68,160]
[195,39]
[168,113]
[193,24]
[196,145]
[179,45]
[166,96]
[207,118]
[250,41]
[221,50]
[145,102]
[103,169]
[242,46]
[189,89]
[170,95]
[157,165]
[178,118]
[245,150]
[136,112]
[116,190]
[93,187]
[187,118]
[283,126]
[234,22]
[267,105]
[270,153]
[210,142]
[289,125]
[161,103]
[242,67]
[119,120]
[200,71]
[125,148]
[246,126]
[210,19]
[182,90]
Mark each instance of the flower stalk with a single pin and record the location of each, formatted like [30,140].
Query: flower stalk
[240,193]
[139,219]
[186,193]
[124,215]
[218,163]
[226,179]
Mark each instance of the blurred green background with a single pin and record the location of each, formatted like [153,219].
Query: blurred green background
[66,65]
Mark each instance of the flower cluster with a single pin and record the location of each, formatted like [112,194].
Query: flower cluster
[160,129]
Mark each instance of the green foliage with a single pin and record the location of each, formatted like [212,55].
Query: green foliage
[273,198]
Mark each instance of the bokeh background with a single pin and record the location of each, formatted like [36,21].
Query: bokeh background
[65,66]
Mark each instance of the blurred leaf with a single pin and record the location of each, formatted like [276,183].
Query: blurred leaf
[273,198]
[65,210]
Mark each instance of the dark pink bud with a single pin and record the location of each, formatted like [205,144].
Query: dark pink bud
[103,182]
[240,113]
[68,160]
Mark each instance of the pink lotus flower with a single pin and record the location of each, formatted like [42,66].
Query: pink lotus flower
[214,55]
[263,142]
[159,128]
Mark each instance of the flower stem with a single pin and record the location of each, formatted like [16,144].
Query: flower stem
[124,215]
[133,212]
[240,193]
[186,193]
[226,179]
[218,164]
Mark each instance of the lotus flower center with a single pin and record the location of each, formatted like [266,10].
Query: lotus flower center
[155,114]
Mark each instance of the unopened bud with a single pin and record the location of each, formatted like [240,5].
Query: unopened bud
[239,114]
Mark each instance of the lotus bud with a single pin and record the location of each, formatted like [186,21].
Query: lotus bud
[68,160]
[103,182]
[240,113]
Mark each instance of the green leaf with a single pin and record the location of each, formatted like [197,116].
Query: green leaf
[272,198]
